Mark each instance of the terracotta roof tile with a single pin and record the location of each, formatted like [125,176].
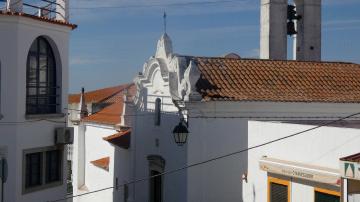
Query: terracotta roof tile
[352,158]
[98,95]
[102,163]
[277,81]
[44,19]
[121,139]
[111,114]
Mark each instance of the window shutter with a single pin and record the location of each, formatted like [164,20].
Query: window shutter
[278,193]
[323,197]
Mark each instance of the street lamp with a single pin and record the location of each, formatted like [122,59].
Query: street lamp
[180,133]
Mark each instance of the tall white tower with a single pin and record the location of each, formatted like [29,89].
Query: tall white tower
[308,39]
[274,30]
[34,60]
[273,38]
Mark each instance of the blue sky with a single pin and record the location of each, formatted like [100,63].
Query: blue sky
[111,44]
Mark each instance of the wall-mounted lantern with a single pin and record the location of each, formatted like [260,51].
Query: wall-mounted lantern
[181,133]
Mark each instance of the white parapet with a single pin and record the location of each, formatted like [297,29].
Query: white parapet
[14,5]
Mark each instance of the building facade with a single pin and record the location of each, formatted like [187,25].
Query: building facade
[34,58]
[232,105]
[100,156]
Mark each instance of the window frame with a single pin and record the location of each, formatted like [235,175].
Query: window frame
[326,191]
[44,184]
[52,89]
[280,182]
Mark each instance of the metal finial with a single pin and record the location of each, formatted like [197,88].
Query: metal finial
[164,22]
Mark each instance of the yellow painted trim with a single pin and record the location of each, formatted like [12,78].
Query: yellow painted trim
[279,181]
[326,191]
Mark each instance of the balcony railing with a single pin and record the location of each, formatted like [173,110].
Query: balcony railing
[51,9]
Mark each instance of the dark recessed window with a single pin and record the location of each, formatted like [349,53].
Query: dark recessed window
[53,166]
[157,166]
[278,193]
[33,171]
[326,197]
[155,187]
[157,111]
[278,190]
[41,88]
[43,168]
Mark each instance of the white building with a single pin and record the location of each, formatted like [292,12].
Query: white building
[100,153]
[350,172]
[34,57]
[231,104]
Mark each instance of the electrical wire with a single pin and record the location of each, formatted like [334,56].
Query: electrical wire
[159,5]
[194,116]
[29,121]
[215,158]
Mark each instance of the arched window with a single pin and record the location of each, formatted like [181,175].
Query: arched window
[41,88]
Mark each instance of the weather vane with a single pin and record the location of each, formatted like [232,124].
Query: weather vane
[164,22]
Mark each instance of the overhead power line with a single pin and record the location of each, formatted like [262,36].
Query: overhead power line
[29,121]
[213,159]
[195,116]
[159,5]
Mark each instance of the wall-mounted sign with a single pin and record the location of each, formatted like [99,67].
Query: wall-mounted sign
[350,170]
[301,171]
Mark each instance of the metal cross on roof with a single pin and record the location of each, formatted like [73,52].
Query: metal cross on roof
[164,22]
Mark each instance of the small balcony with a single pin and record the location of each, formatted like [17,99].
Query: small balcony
[49,9]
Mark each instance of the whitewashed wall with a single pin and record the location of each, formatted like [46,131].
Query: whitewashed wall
[219,180]
[321,147]
[97,178]
[149,139]
[144,144]
[17,35]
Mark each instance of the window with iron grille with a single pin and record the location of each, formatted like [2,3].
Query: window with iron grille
[41,88]
[43,168]
[53,166]
[33,170]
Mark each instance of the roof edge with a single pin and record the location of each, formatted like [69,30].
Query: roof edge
[43,19]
